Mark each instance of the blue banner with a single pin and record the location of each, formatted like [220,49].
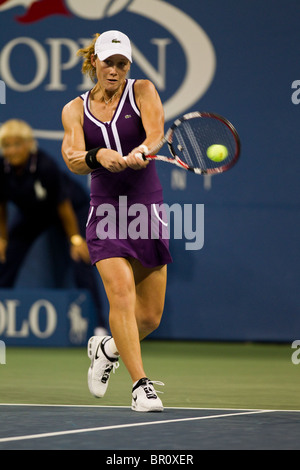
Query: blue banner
[239,59]
[46,317]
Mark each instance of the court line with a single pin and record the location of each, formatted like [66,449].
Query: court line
[53,405]
[122,426]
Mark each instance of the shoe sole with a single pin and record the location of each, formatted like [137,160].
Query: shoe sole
[143,409]
[91,349]
[90,384]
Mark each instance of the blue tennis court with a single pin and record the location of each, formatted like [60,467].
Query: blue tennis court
[67,427]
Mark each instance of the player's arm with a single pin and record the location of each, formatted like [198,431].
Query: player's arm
[152,112]
[152,115]
[73,145]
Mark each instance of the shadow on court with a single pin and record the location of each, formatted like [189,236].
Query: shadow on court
[119,428]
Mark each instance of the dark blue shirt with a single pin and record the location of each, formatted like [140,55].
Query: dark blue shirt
[39,187]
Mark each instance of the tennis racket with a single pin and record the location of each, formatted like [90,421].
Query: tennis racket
[190,137]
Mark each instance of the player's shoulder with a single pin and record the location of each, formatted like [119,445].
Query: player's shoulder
[73,107]
[144,91]
[144,86]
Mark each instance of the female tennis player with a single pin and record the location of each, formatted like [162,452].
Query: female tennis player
[116,118]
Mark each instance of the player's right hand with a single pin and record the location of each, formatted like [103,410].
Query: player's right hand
[111,160]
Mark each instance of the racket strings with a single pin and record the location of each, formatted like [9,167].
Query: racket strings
[192,138]
[181,147]
[194,145]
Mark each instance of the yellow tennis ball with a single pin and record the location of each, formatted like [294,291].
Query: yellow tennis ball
[217,153]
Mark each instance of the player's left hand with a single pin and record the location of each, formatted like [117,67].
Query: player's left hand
[135,161]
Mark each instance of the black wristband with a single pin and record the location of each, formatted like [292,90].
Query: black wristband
[91,159]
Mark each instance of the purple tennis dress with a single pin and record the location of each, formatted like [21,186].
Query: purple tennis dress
[126,217]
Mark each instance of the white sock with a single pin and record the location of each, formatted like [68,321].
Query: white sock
[111,349]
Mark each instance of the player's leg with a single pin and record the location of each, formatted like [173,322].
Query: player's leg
[118,280]
[150,296]
[86,277]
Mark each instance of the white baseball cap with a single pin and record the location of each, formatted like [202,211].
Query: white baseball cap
[111,43]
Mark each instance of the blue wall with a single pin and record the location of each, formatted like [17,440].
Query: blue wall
[236,58]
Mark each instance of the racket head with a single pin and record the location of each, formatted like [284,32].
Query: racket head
[191,135]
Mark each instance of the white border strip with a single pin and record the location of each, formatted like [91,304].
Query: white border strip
[131,425]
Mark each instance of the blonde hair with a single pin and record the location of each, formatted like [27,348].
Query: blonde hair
[17,128]
[86,52]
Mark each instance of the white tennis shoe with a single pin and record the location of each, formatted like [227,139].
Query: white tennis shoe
[144,396]
[101,366]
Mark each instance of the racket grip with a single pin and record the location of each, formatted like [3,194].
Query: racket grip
[138,155]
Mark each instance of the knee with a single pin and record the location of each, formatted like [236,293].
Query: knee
[121,297]
[150,321]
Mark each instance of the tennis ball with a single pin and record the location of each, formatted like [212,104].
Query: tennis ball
[217,153]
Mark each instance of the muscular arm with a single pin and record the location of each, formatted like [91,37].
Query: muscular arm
[152,115]
[152,112]
[73,146]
